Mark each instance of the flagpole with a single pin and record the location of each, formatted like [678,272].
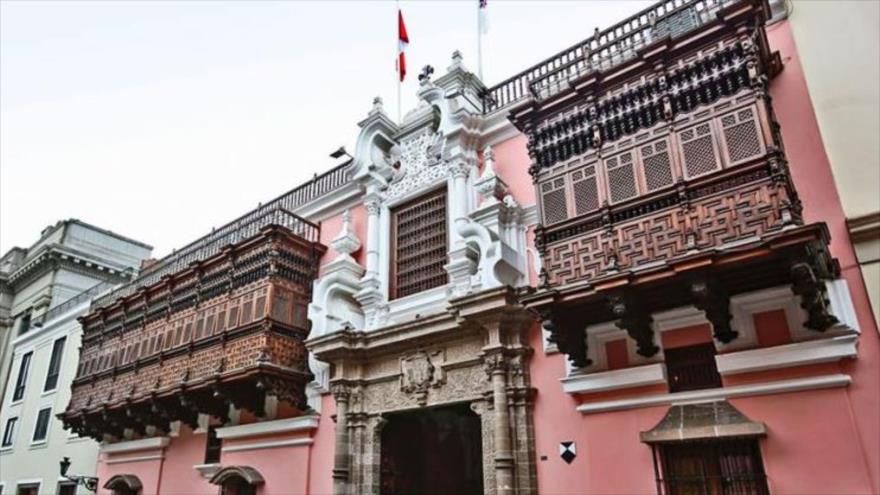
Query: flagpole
[397,57]
[479,41]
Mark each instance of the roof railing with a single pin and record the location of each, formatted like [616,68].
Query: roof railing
[76,300]
[207,246]
[604,50]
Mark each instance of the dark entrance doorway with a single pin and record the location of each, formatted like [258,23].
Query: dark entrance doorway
[432,452]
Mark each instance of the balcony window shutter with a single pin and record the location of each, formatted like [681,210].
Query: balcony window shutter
[621,178]
[741,135]
[656,165]
[553,202]
[585,189]
[698,150]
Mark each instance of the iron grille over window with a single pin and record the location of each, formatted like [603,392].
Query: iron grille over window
[420,245]
[21,381]
[692,368]
[727,467]
[55,364]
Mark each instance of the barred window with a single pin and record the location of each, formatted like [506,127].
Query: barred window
[692,367]
[419,237]
[711,467]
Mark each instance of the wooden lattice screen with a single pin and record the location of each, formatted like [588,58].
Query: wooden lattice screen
[419,234]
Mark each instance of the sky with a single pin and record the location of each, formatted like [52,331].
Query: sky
[159,120]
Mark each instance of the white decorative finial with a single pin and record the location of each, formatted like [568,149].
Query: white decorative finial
[489,185]
[377,104]
[346,242]
[489,160]
[456,61]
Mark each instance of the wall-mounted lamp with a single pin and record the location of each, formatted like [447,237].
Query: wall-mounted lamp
[90,483]
[340,153]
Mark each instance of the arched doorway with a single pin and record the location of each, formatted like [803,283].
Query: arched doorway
[432,452]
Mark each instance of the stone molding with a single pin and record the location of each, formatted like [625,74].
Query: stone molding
[290,425]
[708,395]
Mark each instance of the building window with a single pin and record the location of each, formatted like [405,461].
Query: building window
[710,468]
[42,427]
[25,323]
[9,432]
[419,238]
[66,489]
[29,489]
[55,364]
[21,381]
[692,367]
[212,447]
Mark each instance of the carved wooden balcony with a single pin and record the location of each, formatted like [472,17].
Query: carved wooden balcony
[227,329]
[662,183]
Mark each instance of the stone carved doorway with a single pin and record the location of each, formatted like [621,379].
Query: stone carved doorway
[436,451]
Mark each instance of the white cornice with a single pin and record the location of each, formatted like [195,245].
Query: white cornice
[802,353]
[302,423]
[135,445]
[140,458]
[268,445]
[767,388]
[638,376]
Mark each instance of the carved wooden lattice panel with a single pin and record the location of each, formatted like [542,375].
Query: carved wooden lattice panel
[553,203]
[420,245]
[656,165]
[717,220]
[698,150]
[741,135]
[621,177]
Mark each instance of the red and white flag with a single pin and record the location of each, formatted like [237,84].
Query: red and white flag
[402,42]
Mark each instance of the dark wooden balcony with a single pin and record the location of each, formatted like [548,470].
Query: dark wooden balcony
[226,329]
[663,183]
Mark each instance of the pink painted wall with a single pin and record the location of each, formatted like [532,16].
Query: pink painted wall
[321,463]
[815,184]
[512,165]
[147,471]
[183,452]
[330,227]
[285,469]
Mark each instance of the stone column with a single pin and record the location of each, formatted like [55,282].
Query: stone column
[372,204]
[458,195]
[496,367]
[341,456]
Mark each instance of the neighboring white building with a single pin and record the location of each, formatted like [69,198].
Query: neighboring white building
[70,257]
[43,290]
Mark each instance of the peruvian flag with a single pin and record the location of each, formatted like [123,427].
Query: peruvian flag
[402,41]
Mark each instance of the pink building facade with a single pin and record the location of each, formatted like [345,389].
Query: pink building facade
[622,271]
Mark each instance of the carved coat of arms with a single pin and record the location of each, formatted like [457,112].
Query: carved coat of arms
[419,372]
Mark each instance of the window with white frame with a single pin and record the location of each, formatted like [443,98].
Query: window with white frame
[9,432]
[55,364]
[41,430]
[21,381]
